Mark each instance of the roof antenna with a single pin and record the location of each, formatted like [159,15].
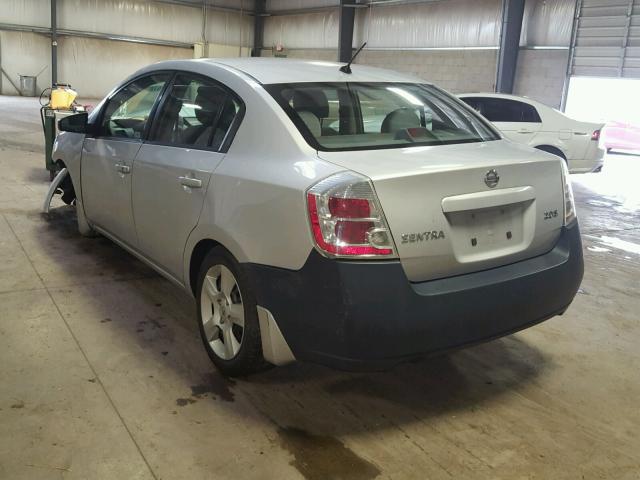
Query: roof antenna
[347,68]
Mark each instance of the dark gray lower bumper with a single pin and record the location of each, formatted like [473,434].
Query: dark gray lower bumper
[367,315]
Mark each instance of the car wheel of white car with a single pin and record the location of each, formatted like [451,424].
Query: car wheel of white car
[227,316]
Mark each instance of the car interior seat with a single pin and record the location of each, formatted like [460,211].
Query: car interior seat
[312,107]
[168,128]
[399,120]
[214,104]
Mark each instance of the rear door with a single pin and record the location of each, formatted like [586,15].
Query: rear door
[518,121]
[107,158]
[187,141]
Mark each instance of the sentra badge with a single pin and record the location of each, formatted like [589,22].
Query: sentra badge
[422,236]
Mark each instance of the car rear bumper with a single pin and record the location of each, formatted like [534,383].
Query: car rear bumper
[592,161]
[583,166]
[367,315]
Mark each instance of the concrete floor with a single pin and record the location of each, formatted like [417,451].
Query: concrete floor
[102,374]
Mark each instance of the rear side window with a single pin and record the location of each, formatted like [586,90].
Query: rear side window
[504,110]
[127,112]
[475,103]
[196,112]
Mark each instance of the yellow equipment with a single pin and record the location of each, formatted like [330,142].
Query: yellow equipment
[61,104]
[62,97]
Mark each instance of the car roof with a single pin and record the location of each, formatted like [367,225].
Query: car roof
[283,70]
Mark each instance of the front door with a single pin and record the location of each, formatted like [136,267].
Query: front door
[107,158]
[172,169]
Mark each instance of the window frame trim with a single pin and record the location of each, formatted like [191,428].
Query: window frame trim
[229,135]
[100,117]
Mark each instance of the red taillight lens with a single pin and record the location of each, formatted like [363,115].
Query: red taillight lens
[349,207]
[346,219]
[595,136]
[353,232]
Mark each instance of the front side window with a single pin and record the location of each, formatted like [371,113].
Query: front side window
[360,116]
[504,110]
[197,112]
[127,112]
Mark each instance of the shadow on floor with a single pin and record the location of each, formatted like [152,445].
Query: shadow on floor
[300,398]
[38,175]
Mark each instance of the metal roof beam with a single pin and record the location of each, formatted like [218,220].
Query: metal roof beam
[98,36]
[210,6]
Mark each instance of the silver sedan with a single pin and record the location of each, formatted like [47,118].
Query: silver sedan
[352,219]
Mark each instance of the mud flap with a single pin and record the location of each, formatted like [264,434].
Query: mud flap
[53,188]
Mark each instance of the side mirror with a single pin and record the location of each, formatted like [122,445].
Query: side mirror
[77,123]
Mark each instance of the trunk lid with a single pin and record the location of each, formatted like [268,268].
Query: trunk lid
[446,220]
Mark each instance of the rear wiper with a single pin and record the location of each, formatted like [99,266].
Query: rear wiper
[347,68]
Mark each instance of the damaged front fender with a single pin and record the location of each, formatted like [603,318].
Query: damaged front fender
[56,187]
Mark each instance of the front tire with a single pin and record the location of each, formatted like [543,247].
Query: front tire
[227,316]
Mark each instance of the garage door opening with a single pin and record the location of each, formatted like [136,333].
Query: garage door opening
[614,101]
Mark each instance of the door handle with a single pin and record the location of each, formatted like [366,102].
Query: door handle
[524,131]
[125,169]
[190,182]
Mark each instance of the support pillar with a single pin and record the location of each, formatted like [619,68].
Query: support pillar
[512,15]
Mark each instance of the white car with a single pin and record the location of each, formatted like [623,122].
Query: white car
[526,121]
[355,220]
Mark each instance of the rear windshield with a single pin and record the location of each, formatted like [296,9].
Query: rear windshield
[365,116]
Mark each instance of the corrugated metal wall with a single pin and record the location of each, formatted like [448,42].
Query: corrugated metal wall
[430,24]
[304,31]
[93,65]
[279,5]
[547,23]
[451,23]
[607,39]
[452,42]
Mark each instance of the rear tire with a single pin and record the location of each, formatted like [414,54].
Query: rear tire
[227,316]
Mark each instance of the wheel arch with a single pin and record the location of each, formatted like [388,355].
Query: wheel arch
[552,149]
[68,185]
[67,153]
[200,242]
[198,254]
[274,347]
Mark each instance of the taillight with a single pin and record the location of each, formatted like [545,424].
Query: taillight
[595,136]
[346,218]
[569,202]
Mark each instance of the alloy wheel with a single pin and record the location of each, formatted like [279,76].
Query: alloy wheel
[222,312]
